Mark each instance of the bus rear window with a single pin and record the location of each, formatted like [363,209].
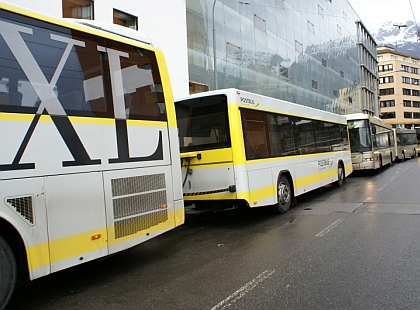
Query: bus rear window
[203,123]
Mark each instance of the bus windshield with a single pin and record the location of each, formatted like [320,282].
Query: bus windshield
[203,123]
[360,140]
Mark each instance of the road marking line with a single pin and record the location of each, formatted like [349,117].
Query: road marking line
[243,290]
[329,228]
[382,188]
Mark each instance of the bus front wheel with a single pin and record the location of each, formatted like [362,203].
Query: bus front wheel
[7,273]
[340,176]
[284,196]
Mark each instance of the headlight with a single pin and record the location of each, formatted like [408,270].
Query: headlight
[368,159]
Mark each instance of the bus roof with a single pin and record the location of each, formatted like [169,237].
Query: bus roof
[260,102]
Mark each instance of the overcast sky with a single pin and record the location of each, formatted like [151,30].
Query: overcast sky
[375,12]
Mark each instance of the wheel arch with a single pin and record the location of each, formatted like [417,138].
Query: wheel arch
[288,175]
[341,162]
[15,241]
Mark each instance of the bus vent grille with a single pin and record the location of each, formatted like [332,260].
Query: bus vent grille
[138,223]
[139,203]
[138,184]
[24,206]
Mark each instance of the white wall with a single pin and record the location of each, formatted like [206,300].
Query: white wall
[164,20]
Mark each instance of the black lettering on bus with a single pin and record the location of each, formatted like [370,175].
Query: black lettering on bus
[123,146]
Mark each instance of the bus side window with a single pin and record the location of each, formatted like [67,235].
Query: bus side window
[255,140]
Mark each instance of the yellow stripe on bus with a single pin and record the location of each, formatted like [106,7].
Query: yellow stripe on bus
[79,120]
[72,246]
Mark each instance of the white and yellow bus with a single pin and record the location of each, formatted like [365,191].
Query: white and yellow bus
[372,142]
[406,143]
[89,161]
[240,148]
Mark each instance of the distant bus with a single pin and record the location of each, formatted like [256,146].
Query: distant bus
[240,148]
[371,142]
[406,146]
[89,161]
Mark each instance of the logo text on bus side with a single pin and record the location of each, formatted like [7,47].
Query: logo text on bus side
[50,104]
[249,101]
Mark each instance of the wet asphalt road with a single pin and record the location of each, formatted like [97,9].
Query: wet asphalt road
[354,247]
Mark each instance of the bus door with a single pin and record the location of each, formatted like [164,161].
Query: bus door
[76,219]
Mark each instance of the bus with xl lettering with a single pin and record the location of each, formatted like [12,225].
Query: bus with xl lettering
[244,149]
[89,161]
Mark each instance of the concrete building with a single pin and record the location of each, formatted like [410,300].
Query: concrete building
[312,52]
[399,88]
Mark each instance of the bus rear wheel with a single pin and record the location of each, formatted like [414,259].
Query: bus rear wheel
[284,195]
[7,273]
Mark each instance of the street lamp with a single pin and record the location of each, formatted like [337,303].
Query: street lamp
[214,45]
[214,50]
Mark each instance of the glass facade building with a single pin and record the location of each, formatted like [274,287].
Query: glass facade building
[312,52]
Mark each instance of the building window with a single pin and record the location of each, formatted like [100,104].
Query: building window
[405,68]
[233,52]
[415,92]
[259,22]
[314,85]
[342,74]
[387,103]
[386,79]
[385,68]
[386,91]
[320,11]
[198,88]
[324,62]
[335,93]
[407,103]
[350,100]
[408,115]
[82,9]
[406,80]
[407,91]
[388,115]
[416,104]
[415,81]
[124,19]
[298,47]
[311,27]
[416,115]
[415,70]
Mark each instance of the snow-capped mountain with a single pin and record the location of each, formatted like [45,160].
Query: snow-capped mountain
[403,37]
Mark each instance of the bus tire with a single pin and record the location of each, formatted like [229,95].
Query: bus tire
[8,273]
[380,164]
[284,195]
[340,175]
